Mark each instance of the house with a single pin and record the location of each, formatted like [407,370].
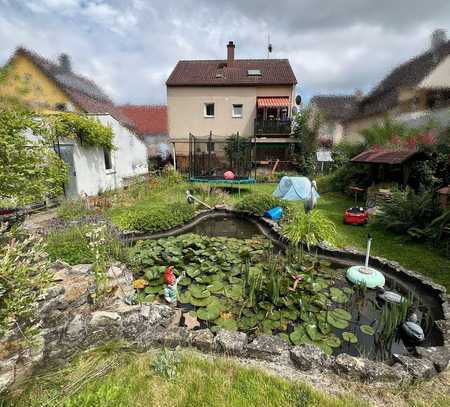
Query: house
[50,88]
[150,123]
[414,92]
[252,97]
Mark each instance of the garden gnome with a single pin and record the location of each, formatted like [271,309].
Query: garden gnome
[171,290]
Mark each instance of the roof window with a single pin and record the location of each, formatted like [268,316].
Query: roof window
[254,72]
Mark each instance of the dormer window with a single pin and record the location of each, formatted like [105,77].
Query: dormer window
[254,72]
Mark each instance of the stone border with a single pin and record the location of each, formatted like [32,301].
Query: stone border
[348,255]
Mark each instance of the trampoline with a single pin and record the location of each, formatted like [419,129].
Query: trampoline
[210,157]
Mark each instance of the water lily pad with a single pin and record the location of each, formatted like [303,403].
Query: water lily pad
[199,292]
[324,327]
[333,341]
[185,281]
[215,287]
[154,289]
[299,336]
[336,322]
[185,298]
[193,272]
[228,324]
[285,337]
[235,292]
[349,337]
[342,314]
[274,315]
[338,295]
[313,332]
[208,313]
[367,329]
[201,302]
[290,314]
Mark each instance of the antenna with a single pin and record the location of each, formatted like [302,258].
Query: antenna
[269,46]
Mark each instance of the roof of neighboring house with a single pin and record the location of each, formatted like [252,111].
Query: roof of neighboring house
[217,73]
[82,91]
[147,119]
[384,156]
[409,74]
[336,107]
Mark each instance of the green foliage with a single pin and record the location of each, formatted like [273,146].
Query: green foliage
[408,210]
[258,203]
[154,217]
[434,231]
[237,150]
[24,275]
[83,129]
[166,364]
[381,134]
[29,170]
[310,229]
[350,174]
[72,209]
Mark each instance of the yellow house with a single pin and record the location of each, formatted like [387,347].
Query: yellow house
[49,86]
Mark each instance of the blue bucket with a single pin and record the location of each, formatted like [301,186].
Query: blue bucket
[274,213]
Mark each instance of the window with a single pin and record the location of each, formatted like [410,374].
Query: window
[209,110]
[254,72]
[237,110]
[108,162]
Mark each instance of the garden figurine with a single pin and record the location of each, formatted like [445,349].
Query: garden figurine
[171,288]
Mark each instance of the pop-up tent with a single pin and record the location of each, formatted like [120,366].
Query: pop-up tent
[294,189]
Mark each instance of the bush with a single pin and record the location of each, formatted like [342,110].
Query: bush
[349,175]
[155,217]
[408,210]
[258,203]
[72,209]
[24,271]
[310,229]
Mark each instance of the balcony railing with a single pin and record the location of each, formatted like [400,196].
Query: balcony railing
[272,126]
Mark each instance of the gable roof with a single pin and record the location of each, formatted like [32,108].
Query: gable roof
[147,119]
[409,74]
[336,107]
[82,91]
[217,73]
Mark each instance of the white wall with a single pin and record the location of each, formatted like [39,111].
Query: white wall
[128,159]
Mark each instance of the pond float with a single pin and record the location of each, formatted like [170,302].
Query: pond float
[366,275]
[390,296]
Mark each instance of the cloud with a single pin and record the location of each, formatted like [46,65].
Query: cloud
[129,47]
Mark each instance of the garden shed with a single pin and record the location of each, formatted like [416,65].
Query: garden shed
[388,164]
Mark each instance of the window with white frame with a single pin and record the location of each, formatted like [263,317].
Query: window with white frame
[237,110]
[209,110]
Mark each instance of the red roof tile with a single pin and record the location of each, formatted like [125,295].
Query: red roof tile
[147,119]
[384,156]
[217,73]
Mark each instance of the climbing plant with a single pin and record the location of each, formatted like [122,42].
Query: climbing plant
[83,129]
[29,168]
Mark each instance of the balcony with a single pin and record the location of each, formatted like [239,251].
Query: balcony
[272,127]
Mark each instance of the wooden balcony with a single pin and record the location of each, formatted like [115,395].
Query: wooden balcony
[272,127]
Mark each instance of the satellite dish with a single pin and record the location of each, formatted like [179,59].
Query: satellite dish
[298,100]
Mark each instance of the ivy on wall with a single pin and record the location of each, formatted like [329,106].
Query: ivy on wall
[83,129]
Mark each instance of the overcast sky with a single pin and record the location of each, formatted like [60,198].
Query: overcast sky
[129,47]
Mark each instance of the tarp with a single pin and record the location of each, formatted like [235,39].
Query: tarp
[294,189]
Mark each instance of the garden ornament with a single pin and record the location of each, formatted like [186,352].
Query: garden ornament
[390,296]
[191,199]
[171,288]
[310,202]
[412,330]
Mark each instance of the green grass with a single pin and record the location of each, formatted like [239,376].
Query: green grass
[131,381]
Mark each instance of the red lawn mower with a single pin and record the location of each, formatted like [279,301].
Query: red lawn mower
[356,215]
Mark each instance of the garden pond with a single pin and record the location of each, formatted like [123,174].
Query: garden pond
[235,279]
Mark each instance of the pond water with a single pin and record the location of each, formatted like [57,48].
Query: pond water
[224,258]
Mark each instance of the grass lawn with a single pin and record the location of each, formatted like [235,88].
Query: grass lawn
[108,377]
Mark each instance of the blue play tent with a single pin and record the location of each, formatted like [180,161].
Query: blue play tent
[294,189]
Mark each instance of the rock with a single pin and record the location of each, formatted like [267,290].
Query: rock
[176,336]
[310,357]
[160,314]
[114,272]
[176,318]
[267,347]
[202,339]
[104,318]
[6,379]
[439,355]
[76,328]
[418,368]
[81,269]
[190,321]
[231,342]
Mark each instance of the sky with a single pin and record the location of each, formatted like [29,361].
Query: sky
[129,47]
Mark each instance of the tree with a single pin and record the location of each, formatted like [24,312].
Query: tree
[30,170]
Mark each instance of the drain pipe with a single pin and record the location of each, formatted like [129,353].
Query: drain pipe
[191,198]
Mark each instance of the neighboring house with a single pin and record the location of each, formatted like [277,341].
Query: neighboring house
[251,96]
[53,87]
[419,88]
[150,123]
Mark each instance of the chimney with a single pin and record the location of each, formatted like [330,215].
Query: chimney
[230,53]
[438,38]
[64,63]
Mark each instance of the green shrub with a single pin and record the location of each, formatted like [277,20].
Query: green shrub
[24,271]
[72,209]
[408,210]
[155,217]
[70,245]
[258,203]
[310,229]
[349,175]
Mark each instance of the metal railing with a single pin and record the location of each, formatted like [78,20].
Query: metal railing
[273,126]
